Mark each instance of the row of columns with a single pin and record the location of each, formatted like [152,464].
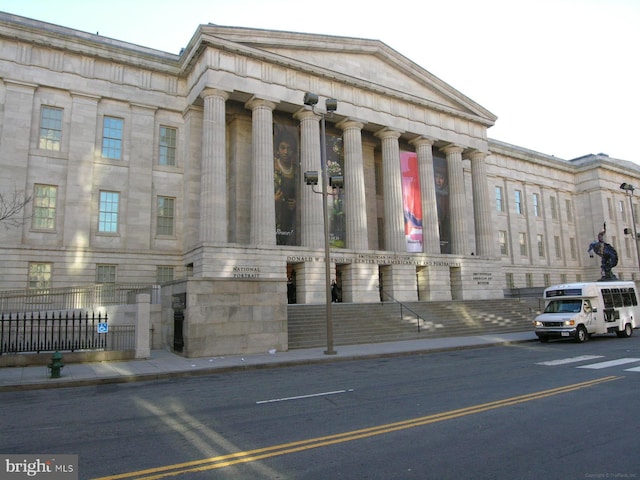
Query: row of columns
[214,223]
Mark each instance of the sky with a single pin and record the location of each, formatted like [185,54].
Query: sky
[562,76]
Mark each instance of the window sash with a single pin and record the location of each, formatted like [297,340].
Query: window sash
[105,274]
[166,208]
[112,138]
[40,275]
[50,128]
[108,215]
[167,151]
[164,274]
[44,207]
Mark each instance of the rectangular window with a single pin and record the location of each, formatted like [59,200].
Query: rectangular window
[509,280]
[165,215]
[569,210]
[563,278]
[523,243]
[556,244]
[164,274]
[105,274]
[106,279]
[529,279]
[610,207]
[540,239]
[499,201]
[536,206]
[623,214]
[44,207]
[547,280]
[40,275]
[167,153]
[554,208]
[50,128]
[578,277]
[108,215]
[518,198]
[627,247]
[502,238]
[112,138]
[574,251]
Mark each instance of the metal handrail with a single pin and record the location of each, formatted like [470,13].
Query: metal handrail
[402,305]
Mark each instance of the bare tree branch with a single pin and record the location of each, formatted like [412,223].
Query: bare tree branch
[11,208]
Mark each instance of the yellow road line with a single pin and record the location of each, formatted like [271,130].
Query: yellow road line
[301,445]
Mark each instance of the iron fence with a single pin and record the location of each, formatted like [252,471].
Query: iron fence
[64,331]
[69,298]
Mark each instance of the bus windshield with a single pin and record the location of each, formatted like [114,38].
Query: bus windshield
[563,306]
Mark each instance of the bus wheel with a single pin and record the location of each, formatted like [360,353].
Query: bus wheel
[627,332]
[581,334]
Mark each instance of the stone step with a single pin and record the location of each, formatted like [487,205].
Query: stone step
[388,321]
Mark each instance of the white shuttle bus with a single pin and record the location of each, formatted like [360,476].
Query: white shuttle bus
[579,310]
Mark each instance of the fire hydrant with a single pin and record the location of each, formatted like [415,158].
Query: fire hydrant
[56,365]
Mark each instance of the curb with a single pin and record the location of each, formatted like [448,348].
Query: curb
[146,377]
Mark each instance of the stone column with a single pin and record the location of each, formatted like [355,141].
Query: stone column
[430,233]
[263,210]
[481,206]
[312,222]
[394,238]
[354,192]
[456,200]
[213,180]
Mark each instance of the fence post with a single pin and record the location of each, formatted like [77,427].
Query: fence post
[143,320]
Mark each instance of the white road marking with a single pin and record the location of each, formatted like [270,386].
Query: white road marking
[299,397]
[634,369]
[563,361]
[610,363]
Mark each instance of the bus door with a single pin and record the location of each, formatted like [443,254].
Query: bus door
[587,310]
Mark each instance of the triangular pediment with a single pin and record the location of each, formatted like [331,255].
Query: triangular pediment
[370,63]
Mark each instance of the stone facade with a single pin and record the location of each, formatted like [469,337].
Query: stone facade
[158,164]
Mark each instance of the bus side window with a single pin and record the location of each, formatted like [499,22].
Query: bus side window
[617,298]
[607,298]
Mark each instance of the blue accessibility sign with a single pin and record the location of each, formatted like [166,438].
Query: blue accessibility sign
[103,328]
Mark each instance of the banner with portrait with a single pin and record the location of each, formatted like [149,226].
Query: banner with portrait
[441,175]
[412,202]
[286,174]
[335,199]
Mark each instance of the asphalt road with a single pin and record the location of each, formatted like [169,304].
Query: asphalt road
[526,411]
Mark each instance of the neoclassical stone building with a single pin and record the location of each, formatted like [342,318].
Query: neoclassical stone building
[146,167]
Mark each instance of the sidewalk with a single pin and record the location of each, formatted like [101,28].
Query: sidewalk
[164,364]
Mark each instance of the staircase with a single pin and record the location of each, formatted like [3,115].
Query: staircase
[357,323]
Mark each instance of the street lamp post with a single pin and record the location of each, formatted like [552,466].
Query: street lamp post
[311,99]
[629,189]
